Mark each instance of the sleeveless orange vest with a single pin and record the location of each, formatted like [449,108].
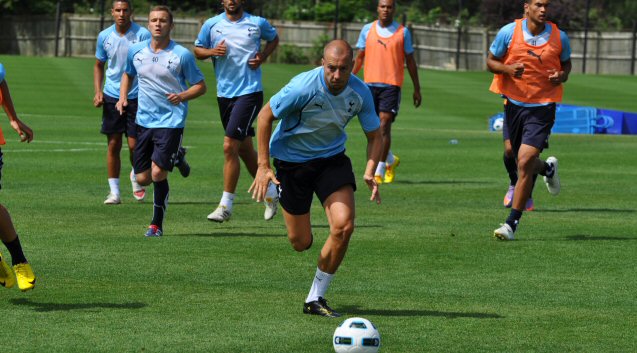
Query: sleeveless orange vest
[534,85]
[385,57]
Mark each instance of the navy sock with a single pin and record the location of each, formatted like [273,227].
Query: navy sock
[15,249]
[514,218]
[512,168]
[160,201]
[548,170]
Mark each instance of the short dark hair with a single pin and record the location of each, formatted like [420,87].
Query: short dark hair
[165,9]
[128,2]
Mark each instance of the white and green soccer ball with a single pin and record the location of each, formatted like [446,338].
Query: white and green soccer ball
[356,335]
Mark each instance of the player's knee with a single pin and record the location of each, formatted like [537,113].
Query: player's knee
[342,233]
[301,244]
[230,148]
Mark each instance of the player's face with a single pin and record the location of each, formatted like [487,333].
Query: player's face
[385,10]
[159,24]
[338,69]
[536,10]
[121,13]
[232,7]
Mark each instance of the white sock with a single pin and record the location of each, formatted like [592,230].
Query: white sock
[226,200]
[380,169]
[390,158]
[272,190]
[319,285]
[114,184]
[133,177]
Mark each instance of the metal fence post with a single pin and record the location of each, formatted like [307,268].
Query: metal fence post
[58,22]
[634,52]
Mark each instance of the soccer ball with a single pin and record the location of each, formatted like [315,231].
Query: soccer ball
[356,335]
[498,124]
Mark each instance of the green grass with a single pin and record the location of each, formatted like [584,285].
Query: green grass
[422,266]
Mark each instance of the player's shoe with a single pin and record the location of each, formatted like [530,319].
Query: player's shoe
[271,205]
[529,205]
[138,191]
[24,275]
[181,163]
[504,232]
[319,307]
[7,279]
[508,197]
[553,183]
[221,214]
[153,231]
[390,170]
[378,178]
[112,199]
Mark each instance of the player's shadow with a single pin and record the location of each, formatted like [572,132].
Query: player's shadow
[438,182]
[357,226]
[224,233]
[585,210]
[355,310]
[48,307]
[584,237]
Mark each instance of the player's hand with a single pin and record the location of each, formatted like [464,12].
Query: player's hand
[417,99]
[371,184]
[255,62]
[174,98]
[25,132]
[516,70]
[260,184]
[121,106]
[556,77]
[220,49]
[98,100]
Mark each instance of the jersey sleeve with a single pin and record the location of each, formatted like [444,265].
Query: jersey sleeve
[362,38]
[100,53]
[203,39]
[268,32]
[409,47]
[144,34]
[289,99]
[2,73]
[566,47]
[502,40]
[367,115]
[190,69]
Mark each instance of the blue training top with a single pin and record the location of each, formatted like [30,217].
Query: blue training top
[159,74]
[313,120]
[243,40]
[3,73]
[113,47]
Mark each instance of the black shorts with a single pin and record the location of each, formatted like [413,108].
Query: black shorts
[159,145]
[114,123]
[386,99]
[529,125]
[238,114]
[505,129]
[323,176]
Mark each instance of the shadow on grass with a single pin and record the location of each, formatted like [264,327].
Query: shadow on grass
[356,226]
[223,233]
[48,307]
[593,210]
[438,182]
[584,237]
[355,310]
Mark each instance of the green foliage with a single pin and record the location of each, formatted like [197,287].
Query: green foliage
[316,51]
[290,54]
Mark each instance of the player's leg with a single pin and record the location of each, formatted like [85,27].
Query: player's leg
[139,193]
[21,267]
[385,132]
[113,126]
[389,105]
[512,170]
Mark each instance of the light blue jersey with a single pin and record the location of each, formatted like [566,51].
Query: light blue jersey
[243,40]
[503,39]
[160,74]
[313,120]
[113,47]
[3,73]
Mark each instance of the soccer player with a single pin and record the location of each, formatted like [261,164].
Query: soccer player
[531,60]
[233,40]
[112,47]
[308,147]
[163,67]
[384,46]
[21,267]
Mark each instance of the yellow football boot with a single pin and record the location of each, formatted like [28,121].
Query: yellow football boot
[7,279]
[379,179]
[390,170]
[25,276]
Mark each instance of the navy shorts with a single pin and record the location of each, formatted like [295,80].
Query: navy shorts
[386,99]
[114,123]
[323,176]
[238,114]
[159,145]
[529,125]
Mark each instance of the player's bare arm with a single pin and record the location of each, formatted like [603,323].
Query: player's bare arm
[496,66]
[260,58]
[194,91]
[558,77]
[358,61]
[203,53]
[412,67]
[25,132]
[264,174]
[124,87]
[374,150]
[98,82]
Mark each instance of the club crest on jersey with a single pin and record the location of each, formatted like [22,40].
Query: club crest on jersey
[252,30]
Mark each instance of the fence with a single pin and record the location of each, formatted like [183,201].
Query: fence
[445,48]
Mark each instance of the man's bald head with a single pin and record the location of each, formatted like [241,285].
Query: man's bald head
[338,48]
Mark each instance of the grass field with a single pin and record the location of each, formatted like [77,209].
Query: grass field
[422,266]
